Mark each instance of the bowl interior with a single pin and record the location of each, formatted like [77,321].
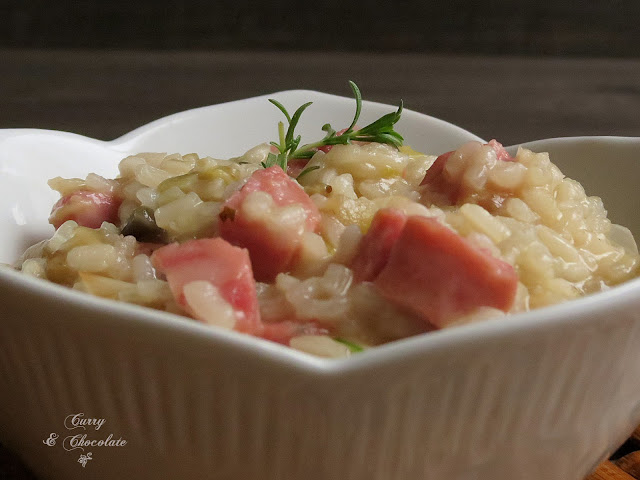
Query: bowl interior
[606,166]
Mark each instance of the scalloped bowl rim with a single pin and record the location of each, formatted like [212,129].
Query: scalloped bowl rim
[160,122]
[569,312]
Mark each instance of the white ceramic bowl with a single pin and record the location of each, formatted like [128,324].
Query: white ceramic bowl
[547,394]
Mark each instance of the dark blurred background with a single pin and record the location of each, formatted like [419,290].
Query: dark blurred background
[529,27]
[103,67]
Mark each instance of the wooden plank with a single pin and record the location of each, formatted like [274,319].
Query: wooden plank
[105,94]
[560,27]
[609,471]
[630,463]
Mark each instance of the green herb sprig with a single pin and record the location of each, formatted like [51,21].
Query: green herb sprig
[380,131]
[353,347]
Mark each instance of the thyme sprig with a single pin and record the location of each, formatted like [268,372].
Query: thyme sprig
[288,148]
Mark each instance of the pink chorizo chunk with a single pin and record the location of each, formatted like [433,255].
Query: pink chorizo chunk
[282,189]
[435,170]
[296,166]
[375,247]
[86,208]
[439,275]
[271,251]
[216,261]
[437,181]
[501,153]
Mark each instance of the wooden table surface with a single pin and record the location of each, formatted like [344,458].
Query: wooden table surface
[104,94]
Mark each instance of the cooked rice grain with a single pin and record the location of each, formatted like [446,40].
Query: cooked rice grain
[524,211]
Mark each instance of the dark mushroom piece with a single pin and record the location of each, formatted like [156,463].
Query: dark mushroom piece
[142,225]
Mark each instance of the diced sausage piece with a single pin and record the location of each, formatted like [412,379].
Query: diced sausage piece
[435,170]
[438,182]
[86,208]
[269,216]
[375,247]
[282,189]
[451,190]
[221,264]
[439,275]
[296,166]
[227,268]
[501,153]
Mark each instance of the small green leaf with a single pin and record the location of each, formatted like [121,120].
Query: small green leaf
[294,122]
[330,131]
[282,161]
[282,109]
[289,147]
[358,97]
[283,144]
[295,143]
[354,347]
[307,170]
[271,161]
[303,154]
[384,122]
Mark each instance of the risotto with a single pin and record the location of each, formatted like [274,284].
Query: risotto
[335,246]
